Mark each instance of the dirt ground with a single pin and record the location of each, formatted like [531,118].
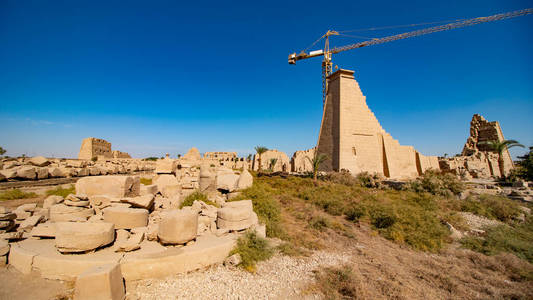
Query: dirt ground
[16,285]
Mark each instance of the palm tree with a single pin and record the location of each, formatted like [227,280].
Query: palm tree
[273,162]
[500,147]
[2,151]
[260,150]
[317,160]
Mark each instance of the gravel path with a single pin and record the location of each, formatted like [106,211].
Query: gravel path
[281,277]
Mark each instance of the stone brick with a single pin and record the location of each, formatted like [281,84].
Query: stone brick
[102,282]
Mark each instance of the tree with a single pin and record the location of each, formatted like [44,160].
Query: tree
[2,151]
[526,165]
[260,150]
[273,162]
[500,147]
[317,160]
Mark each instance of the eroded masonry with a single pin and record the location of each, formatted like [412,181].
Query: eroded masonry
[353,139]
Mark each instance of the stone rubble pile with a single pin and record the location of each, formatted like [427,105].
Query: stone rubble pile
[39,167]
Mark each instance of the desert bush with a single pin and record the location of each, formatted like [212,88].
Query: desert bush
[339,283]
[492,207]
[517,240]
[16,194]
[252,249]
[151,158]
[437,183]
[343,177]
[146,181]
[60,191]
[368,180]
[196,196]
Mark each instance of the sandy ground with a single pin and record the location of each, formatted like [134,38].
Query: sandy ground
[16,285]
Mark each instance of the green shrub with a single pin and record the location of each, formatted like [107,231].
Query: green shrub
[492,207]
[60,191]
[151,158]
[339,283]
[517,240]
[252,249]
[16,194]
[436,183]
[146,181]
[196,196]
[368,180]
[319,223]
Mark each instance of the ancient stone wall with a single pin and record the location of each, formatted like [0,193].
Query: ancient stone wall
[353,139]
[221,155]
[301,161]
[120,154]
[282,164]
[93,147]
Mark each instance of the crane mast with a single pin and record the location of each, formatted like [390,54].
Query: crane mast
[327,53]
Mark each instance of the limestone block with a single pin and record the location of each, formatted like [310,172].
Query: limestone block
[113,186]
[132,243]
[76,203]
[21,214]
[54,172]
[30,222]
[234,213]
[21,259]
[83,172]
[103,282]
[169,191]
[67,172]
[126,218]
[178,226]
[148,189]
[163,180]
[9,173]
[241,203]
[146,201]
[64,213]
[80,237]
[227,181]
[28,207]
[4,247]
[165,166]
[27,172]
[207,178]
[246,180]
[42,173]
[51,200]
[39,161]
[44,212]
[44,230]
[237,225]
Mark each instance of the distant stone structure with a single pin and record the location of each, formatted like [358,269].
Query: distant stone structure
[221,155]
[353,139]
[283,163]
[120,154]
[301,160]
[93,147]
[478,159]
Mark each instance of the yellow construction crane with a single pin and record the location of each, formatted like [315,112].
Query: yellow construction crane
[327,52]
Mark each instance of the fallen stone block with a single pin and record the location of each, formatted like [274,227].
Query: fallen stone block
[103,282]
[146,201]
[233,260]
[178,226]
[113,186]
[9,173]
[27,172]
[76,203]
[237,225]
[8,216]
[44,230]
[126,218]
[42,173]
[163,180]
[234,213]
[4,247]
[12,236]
[148,189]
[132,243]
[227,181]
[39,161]
[81,237]
[169,191]
[30,222]
[30,207]
[21,259]
[245,181]
[22,214]
[241,203]
[64,213]
[51,200]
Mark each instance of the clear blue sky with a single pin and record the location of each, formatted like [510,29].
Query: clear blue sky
[154,77]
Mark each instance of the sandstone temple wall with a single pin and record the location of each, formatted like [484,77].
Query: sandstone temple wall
[283,163]
[354,140]
[93,147]
[301,160]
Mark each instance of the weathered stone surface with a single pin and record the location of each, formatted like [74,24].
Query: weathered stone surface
[126,218]
[9,173]
[4,247]
[207,178]
[234,213]
[242,203]
[146,201]
[30,222]
[76,203]
[39,161]
[163,180]
[80,237]
[8,216]
[113,186]
[22,214]
[64,213]
[282,163]
[103,282]
[132,243]
[245,181]
[21,259]
[42,173]
[51,200]
[192,155]
[165,166]
[30,207]
[44,230]
[170,191]
[237,225]
[233,260]
[27,172]
[93,147]
[178,226]
[227,181]
[148,189]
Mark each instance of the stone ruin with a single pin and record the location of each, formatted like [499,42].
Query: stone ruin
[115,228]
[301,160]
[93,147]
[282,164]
[353,139]
[478,160]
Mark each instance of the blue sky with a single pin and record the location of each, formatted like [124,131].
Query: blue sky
[154,77]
